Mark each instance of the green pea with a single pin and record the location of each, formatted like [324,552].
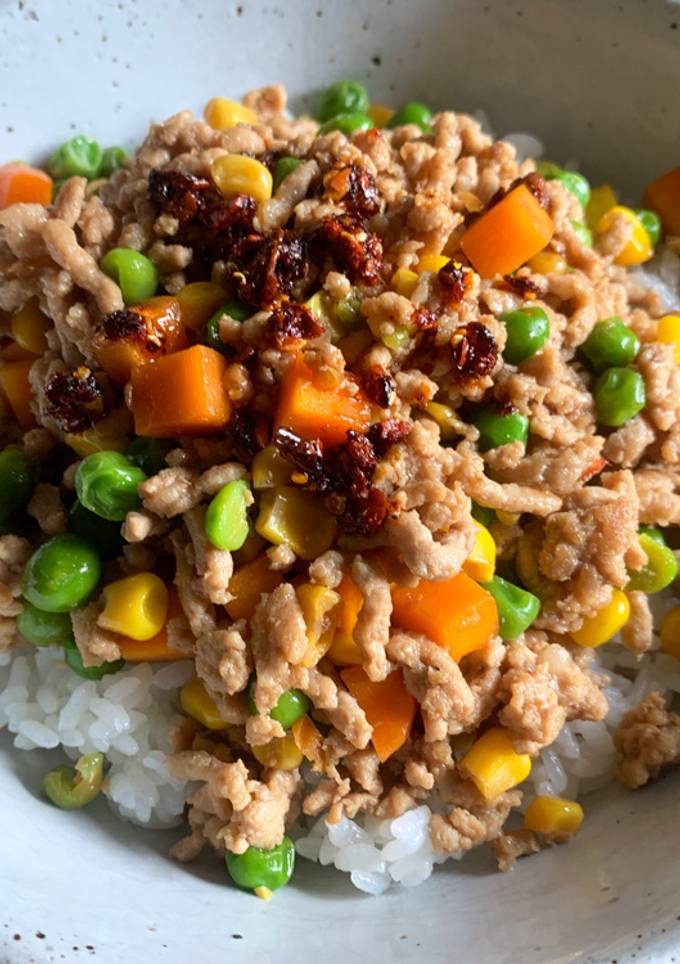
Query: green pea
[619,395]
[74,661]
[347,123]
[226,521]
[283,167]
[103,534]
[262,868]
[583,232]
[342,97]
[483,514]
[62,574]
[496,429]
[134,273]
[16,484]
[148,454]
[660,569]
[41,628]
[74,787]
[235,309]
[290,706]
[348,310]
[527,330]
[574,182]
[412,113]
[610,344]
[107,483]
[653,533]
[112,159]
[398,339]
[80,155]
[651,222]
[517,608]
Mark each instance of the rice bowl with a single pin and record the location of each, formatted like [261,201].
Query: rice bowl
[550,774]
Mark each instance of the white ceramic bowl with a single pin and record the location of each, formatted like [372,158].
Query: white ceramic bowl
[598,81]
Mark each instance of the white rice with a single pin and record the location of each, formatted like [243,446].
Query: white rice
[127,717]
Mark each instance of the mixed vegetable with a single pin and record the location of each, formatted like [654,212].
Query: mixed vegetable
[170,352]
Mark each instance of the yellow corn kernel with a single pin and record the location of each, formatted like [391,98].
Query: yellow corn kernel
[198,301]
[344,651]
[196,703]
[432,262]
[602,199]
[319,607]
[135,606]
[606,622]
[446,419]
[494,765]
[235,174]
[404,281]
[264,893]
[270,469]
[507,518]
[638,248]
[281,753]
[670,632]
[110,434]
[380,114]
[289,516]
[553,815]
[29,326]
[668,332]
[548,262]
[222,114]
[481,562]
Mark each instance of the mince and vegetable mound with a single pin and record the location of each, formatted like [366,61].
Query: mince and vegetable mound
[371,422]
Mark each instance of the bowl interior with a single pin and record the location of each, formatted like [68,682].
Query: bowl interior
[598,83]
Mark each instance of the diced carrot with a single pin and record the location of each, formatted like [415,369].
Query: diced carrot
[157,649]
[344,651]
[455,613]
[198,301]
[181,394]
[594,468]
[161,332]
[314,411]
[663,196]
[22,183]
[388,705]
[508,234]
[17,388]
[247,585]
[309,741]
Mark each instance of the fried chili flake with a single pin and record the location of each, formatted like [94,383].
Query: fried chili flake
[357,252]
[179,195]
[474,352]
[524,287]
[307,456]
[264,269]
[377,385]
[533,182]
[74,399]
[292,322]
[455,280]
[354,187]
[364,516]
[344,473]
[249,434]
[424,320]
[123,324]
[388,432]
